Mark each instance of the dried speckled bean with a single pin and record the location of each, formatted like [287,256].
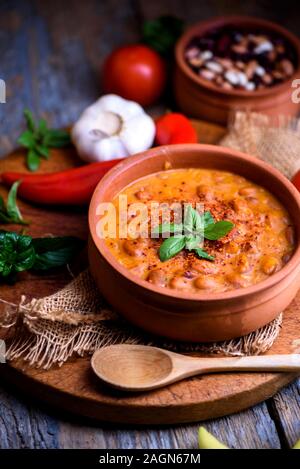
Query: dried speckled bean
[246,60]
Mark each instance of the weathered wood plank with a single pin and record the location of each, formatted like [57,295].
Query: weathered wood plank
[253,428]
[24,426]
[286,406]
[51,55]
[192,11]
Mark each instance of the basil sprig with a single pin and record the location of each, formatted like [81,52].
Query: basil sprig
[10,213]
[38,138]
[162,33]
[19,252]
[191,233]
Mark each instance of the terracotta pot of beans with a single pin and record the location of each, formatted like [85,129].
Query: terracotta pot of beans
[236,63]
[199,311]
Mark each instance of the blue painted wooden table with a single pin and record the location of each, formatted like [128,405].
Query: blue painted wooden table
[51,53]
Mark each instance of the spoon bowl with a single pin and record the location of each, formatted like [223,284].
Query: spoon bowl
[143,368]
[127,366]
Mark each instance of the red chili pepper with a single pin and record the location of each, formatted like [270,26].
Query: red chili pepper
[174,128]
[71,187]
[296,180]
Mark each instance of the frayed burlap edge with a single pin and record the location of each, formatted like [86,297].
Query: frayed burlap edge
[76,320]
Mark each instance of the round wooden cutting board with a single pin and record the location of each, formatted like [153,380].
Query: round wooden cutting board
[74,387]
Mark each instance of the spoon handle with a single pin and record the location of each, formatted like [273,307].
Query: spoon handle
[274,363]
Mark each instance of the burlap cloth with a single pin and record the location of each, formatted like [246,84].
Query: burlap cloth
[77,320]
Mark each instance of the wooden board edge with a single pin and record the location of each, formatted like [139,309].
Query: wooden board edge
[145,415]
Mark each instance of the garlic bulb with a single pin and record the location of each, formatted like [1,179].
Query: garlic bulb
[112,128]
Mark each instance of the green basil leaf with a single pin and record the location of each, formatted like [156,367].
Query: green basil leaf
[170,247]
[189,220]
[193,222]
[42,129]
[162,33]
[29,120]
[33,160]
[203,254]
[23,242]
[174,228]
[218,230]
[16,253]
[193,242]
[12,209]
[55,252]
[42,150]
[27,139]
[25,260]
[207,219]
[57,138]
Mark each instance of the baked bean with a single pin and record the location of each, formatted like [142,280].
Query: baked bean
[204,267]
[248,191]
[157,277]
[290,235]
[242,208]
[236,280]
[205,191]
[269,264]
[232,247]
[134,247]
[243,265]
[275,222]
[206,283]
[143,195]
[252,200]
[139,270]
[180,283]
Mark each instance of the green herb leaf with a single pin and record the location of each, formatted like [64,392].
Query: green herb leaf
[193,242]
[57,138]
[11,212]
[43,128]
[33,160]
[12,209]
[29,120]
[38,139]
[27,139]
[203,254]
[19,252]
[55,252]
[174,228]
[207,219]
[170,247]
[162,33]
[16,253]
[217,230]
[189,220]
[42,150]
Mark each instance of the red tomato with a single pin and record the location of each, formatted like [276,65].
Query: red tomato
[174,128]
[135,72]
[296,180]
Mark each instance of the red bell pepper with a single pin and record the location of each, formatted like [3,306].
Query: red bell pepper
[70,187]
[174,128]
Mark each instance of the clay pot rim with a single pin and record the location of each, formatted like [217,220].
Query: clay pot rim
[223,21]
[130,163]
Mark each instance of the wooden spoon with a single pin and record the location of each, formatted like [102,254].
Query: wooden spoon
[142,368]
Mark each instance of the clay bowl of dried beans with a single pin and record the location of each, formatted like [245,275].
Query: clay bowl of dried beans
[255,270]
[236,63]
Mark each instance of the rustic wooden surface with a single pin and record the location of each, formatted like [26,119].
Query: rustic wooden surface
[50,61]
